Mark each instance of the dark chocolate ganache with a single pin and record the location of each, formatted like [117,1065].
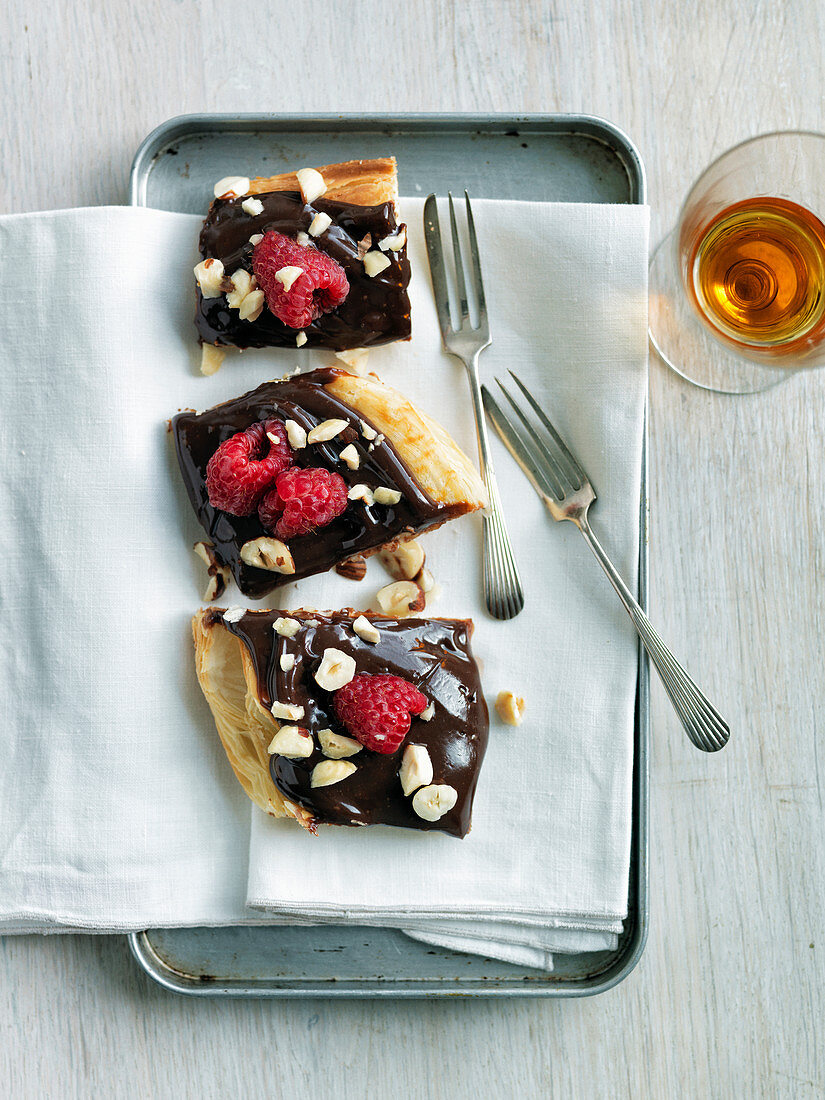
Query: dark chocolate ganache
[376,310]
[432,654]
[360,529]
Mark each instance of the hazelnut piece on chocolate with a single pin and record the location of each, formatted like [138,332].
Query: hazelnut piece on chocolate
[401,598]
[336,669]
[395,241]
[327,429]
[252,306]
[234,614]
[287,628]
[428,712]
[350,456]
[287,662]
[291,712]
[432,802]
[311,183]
[362,492]
[330,771]
[293,742]
[416,768]
[253,207]
[296,435]
[336,746]
[383,495]
[210,274]
[375,263]
[366,630]
[268,553]
[510,708]
[319,224]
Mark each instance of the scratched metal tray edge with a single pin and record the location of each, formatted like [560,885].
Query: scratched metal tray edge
[632,941]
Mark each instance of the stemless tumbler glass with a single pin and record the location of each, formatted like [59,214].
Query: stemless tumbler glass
[737,290]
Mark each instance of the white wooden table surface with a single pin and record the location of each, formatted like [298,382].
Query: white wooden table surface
[729,999]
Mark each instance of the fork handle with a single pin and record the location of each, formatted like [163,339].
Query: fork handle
[503,593]
[702,722]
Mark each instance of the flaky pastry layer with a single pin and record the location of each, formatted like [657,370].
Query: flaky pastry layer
[360,182]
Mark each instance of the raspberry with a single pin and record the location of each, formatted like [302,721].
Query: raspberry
[304,499]
[376,709]
[245,466]
[322,287]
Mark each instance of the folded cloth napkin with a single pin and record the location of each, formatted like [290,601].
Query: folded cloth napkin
[119,810]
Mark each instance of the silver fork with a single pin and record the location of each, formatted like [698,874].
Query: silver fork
[503,593]
[566,490]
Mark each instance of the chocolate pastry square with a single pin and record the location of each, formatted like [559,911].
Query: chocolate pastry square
[360,201]
[426,479]
[253,663]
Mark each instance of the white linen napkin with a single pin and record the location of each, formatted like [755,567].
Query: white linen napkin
[119,810]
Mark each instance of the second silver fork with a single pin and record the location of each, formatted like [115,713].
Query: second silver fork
[503,592]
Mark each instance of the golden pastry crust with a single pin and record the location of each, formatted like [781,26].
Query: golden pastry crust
[360,182]
[437,463]
[227,678]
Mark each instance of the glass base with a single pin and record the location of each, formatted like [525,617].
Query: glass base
[687,347]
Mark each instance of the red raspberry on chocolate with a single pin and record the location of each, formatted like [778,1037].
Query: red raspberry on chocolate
[321,287]
[246,465]
[376,709]
[303,500]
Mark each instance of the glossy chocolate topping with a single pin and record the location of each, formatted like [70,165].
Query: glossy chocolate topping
[432,654]
[359,529]
[376,310]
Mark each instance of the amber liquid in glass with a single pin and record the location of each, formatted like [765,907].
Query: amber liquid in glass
[758,275]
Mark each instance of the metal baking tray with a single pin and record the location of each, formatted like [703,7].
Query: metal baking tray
[560,158]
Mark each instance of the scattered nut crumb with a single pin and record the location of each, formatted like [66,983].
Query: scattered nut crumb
[211,358]
[427,713]
[367,430]
[403,559]
[219,573]
[510,708]
[354,358]
[354,568]
[300,339]
[400,598]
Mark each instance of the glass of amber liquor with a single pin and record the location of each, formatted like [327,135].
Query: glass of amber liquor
[737,291]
